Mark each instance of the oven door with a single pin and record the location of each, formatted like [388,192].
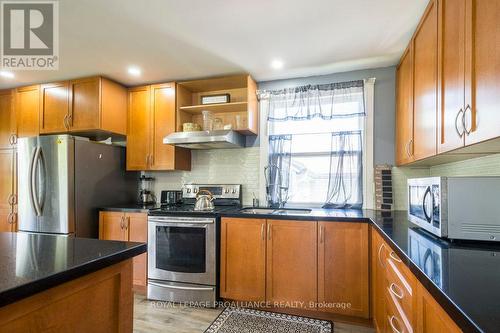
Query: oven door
[182,249]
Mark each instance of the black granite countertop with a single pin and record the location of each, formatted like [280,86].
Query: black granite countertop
[130,208]
[31,263]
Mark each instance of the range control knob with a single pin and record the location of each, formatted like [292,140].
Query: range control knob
[188,190]
[233,191]
[226,190]
[195,190]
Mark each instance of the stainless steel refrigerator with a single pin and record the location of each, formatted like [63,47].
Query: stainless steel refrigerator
[63,180]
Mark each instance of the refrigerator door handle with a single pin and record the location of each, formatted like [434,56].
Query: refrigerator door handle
[33,185]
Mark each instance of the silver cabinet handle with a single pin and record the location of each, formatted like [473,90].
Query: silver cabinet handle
[12,199]
[12,139]
[379,251]
[127,224]
[179,287]
[66,124]
[392,290]
[391,322]
[394,257]
[121,222]
[460,133]
[10,218]
[152,159]
[262,232]
[269,231]
[464,123]
[70,120]
[321,234]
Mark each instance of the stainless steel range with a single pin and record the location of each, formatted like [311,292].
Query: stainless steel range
[182,246]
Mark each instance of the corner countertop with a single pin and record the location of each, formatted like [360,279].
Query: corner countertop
[462,276]
[130,208]
[31,263]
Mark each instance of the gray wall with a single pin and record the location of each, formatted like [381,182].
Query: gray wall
[385,104]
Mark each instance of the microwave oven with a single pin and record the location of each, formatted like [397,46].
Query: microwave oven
[456,207]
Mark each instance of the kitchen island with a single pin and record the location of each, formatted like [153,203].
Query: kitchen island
[65,284]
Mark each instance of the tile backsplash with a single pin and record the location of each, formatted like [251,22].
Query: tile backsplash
[216,166]
[482,166]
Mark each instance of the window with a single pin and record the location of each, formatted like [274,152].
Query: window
[321,164]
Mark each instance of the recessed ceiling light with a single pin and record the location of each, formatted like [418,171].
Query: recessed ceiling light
[8,75]
[135,71]
[277,64]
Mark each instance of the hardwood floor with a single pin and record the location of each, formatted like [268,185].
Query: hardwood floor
[152,316]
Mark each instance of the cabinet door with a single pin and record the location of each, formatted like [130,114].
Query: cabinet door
[85,103]
[7,120]
[139,128]
[243,259]
[425,84]
[292,263]
[137,227]
[451,66]
[430,315]
[162,124]
[27,106]
[112,226]
[113,107]
[343,268]
[54,107]
[378,263]
[404,108]
[7,189]
[482,70]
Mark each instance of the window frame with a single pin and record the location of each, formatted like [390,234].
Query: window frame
[367,156]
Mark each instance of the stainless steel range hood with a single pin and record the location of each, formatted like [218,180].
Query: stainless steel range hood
[206,139]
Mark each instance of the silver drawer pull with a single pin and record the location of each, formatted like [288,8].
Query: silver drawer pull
[391,322]
[392,289]
[394,256]
[161,285]
[379,251]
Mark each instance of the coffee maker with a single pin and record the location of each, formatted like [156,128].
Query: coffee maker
[146,196]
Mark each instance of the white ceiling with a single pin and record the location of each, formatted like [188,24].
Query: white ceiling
[184,39]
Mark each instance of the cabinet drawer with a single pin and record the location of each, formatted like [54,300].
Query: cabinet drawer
[399,267]
[400,290]
[397,322]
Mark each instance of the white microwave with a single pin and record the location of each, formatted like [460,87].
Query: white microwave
[456,207]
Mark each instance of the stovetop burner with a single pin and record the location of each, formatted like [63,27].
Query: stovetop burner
[190,209]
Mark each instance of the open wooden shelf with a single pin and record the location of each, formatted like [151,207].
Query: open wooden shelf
[241,111]
[216,108]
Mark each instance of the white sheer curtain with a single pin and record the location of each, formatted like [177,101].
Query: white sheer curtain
[324,125]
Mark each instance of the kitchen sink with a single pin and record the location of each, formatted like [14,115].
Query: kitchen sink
[257,210]
[277,211]
[293,211]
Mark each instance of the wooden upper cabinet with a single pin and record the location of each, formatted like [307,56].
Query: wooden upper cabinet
[27,107]
[243,259]
[151,117]
[112,226]
[292,262]
[97,103]
[482,69]
[54,107]
[425,82]
[7,120]
[451,67]
[404,108]
[343,267]
[138,128]
[163,112]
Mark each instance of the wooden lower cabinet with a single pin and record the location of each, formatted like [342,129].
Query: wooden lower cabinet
[289,264]
[292,266]
[430,316]
[243,259]
[8,213]
[99,302]
[399,302]
[343,268]
[127,227]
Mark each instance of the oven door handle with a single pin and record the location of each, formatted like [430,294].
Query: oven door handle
[180,225]
[181,288]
